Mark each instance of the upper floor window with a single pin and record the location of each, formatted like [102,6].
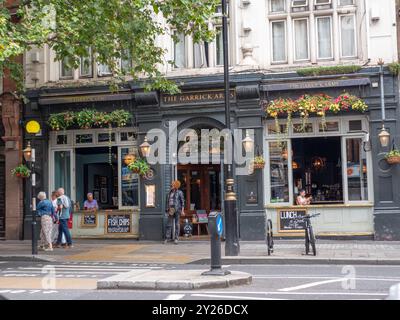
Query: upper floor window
[180,51]
[324,37]
[219,47]
[346,2]
[86,67]
[278,29]
[347,36]
[277,6]
[66,72]
[300,29]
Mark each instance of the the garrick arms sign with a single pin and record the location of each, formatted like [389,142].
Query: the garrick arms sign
[186,97]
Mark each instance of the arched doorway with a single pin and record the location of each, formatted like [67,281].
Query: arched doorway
[201,181]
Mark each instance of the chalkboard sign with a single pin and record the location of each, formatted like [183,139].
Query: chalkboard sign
[287,219]
[118,223]
[89,220]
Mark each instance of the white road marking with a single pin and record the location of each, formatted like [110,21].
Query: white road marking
[174,297]
[321,277]
[50,291]
[4,291]
[312,284]
[231,297]
[17,291]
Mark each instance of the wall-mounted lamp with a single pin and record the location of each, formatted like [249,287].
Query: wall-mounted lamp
[145,148]
[28,152]
[248,143]
[384,136]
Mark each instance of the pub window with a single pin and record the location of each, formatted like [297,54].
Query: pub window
[105,137]
[103,70]
[62,139]
[180,51]
[273,130]
[329,126]
[324,37]
[300,32]
[86,65]
[347,36]
[278,157]
[128,136]
[303,128]
[66,71]
[356,170]
[129,181]
[278,30]
[355,125]
[83,138]
[277,6]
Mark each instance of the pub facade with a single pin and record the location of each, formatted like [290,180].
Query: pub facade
[337,159]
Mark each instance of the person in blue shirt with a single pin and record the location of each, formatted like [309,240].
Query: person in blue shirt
[46,212]
[64,203]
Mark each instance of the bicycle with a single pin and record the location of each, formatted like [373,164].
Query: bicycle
[309,236]
[269,239]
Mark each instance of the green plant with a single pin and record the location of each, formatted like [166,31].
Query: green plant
[86,118]
[120,118]
[21,171]
[330,70]
[394,68]
[139,166]
[259,160]
[393,153]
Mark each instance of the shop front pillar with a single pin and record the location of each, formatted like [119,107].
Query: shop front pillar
[10,106]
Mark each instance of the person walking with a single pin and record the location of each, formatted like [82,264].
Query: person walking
[64,205]
[46,212]
[175,207]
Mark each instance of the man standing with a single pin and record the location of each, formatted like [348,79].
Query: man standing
[64,205]
[175,207]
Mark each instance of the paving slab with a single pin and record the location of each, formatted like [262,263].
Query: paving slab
[173,280]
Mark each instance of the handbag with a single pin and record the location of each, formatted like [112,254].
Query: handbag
[171,211]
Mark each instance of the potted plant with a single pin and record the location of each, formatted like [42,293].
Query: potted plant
[139,166]
[393,157]
[21,171]
[259,162]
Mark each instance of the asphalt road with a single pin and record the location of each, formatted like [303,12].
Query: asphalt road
[22,280]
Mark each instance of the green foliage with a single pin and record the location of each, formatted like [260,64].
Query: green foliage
[331,70]
[139,166]
[394,68]
[393,153]
[21,171]
[88,118]
[113,29]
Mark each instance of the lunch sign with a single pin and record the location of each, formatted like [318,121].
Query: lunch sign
[288,219]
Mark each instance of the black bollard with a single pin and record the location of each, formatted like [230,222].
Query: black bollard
[215,227]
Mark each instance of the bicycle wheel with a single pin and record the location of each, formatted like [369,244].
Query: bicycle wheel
[307,242]
[312,241]
[271,244]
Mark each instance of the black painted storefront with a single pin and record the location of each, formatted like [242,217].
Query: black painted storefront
[152,110]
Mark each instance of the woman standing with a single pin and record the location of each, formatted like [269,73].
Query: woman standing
[175,207]
[45,211]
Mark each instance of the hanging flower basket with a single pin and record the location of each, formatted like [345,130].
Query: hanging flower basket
[21,171]
[393,157]
[139,166]
[258,162]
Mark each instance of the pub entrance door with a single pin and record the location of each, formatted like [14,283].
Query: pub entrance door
[201,185]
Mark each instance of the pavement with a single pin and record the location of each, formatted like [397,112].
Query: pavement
[198,252]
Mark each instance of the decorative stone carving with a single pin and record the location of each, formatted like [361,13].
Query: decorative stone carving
[248,60]
[10,112]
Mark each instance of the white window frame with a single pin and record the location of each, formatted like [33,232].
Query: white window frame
[174,67]
[61,75]
[322,4]
[299,5]
[340,35]
[342,133]
[216,27]
[308,40]
[277,12]
[120,206]
[316,38]
[91,66]
[272,43]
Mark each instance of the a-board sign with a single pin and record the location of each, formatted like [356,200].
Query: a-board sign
[89,220]
[118,223]
[287,219]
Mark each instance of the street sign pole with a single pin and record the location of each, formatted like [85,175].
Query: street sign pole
[216,229]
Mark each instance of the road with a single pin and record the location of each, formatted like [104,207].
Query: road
[70,281]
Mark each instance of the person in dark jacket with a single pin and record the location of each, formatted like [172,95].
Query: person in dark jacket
[175,208]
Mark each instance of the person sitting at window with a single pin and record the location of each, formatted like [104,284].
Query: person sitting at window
[302,200]
[90,204]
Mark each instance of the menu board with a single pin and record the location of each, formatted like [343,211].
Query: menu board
[287,219]
[118,223]
[89,220]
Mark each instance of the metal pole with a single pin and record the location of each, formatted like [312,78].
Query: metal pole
[382,93]
[33,204]
[232,247]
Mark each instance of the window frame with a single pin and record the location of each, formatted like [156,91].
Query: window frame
[345,5]
[308,39]
[61,62]
[277,12]
[120,206]
[331,36]
[285,42]
[340,36]
[185,50]
[91,75]
[300,5]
